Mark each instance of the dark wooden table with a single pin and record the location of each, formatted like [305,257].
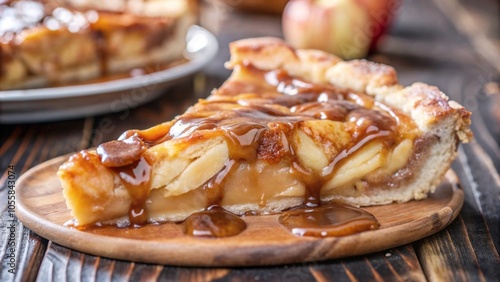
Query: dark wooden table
[449,43]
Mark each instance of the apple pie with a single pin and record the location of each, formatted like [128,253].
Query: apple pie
[288,128]
[44,43]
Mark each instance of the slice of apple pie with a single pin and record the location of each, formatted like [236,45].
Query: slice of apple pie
[288,128]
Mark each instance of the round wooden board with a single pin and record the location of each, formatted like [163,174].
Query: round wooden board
[41,207]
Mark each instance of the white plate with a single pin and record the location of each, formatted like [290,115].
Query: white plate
[48,104]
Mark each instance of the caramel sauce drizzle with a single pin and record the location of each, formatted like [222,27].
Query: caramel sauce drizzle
[134,170]
[136,178]
[244,121]
[214,222]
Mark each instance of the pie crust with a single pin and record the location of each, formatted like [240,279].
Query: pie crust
[288,128]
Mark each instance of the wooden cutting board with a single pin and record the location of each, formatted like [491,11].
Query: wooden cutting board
[41,207]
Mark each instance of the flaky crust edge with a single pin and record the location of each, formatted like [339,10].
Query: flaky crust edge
[432,111]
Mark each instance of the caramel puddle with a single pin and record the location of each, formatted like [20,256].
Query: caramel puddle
[332,220]
[327,220]
[214,222]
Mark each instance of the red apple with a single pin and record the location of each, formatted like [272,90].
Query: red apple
[346,28]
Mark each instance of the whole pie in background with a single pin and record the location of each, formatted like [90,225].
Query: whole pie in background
[288,128]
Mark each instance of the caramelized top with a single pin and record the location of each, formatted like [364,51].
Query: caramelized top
[214,222]
[250,112]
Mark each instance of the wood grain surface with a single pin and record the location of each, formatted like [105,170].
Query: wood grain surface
[429,42]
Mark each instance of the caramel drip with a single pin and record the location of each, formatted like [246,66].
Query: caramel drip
[126,158]
[214,222]
[330,220]
[136,178]
[214,188]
